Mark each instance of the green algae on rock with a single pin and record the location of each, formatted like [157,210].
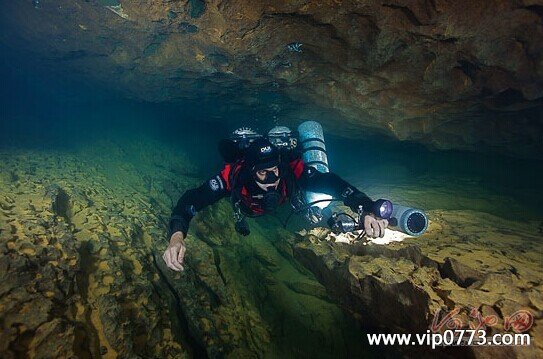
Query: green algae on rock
[82,272]
[404,285]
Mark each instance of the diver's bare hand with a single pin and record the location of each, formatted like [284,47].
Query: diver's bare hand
[175,253]
[374,227]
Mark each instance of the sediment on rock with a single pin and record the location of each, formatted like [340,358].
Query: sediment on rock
[77,279]
[402,286]
[82,270]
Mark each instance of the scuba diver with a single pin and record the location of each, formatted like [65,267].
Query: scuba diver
[260,174]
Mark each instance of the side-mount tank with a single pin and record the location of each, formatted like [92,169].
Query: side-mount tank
[311,141]
[408,220]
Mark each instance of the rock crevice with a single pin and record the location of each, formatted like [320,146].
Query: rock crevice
[403,286]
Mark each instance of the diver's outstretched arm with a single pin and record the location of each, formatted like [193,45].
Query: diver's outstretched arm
[330,183]
[193,201]
[188,205]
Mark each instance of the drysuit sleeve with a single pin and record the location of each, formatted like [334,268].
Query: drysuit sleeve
[194,200]
[330,183]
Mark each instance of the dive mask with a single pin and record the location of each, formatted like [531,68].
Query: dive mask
[270,177]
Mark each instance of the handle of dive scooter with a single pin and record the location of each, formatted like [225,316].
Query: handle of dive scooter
[344,223]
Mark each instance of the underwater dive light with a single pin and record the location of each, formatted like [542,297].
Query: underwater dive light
[343,223]
[408,220]
[383,208]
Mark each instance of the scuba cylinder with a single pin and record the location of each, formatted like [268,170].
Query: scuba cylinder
[311,138]
[313,147]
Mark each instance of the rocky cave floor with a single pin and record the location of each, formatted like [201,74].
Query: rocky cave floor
[81,274]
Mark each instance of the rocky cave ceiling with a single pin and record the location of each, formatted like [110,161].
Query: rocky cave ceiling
[451,74]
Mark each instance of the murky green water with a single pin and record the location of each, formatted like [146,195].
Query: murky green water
[44,117]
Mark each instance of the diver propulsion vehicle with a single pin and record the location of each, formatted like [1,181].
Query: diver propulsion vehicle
[411,221]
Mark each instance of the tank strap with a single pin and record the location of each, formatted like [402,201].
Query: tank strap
[311,139]
[310,163]
[313,148]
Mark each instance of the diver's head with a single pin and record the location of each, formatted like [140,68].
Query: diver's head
[263,160]
[267,178]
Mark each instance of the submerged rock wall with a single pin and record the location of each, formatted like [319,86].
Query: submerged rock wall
[82,234]
[451,74]
[469,265]
[79,278]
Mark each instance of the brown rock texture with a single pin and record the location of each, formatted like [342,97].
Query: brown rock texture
[460,264]
[81,272]
[451,74]
[78,279]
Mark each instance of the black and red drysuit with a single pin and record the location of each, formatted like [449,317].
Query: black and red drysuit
[235,181]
